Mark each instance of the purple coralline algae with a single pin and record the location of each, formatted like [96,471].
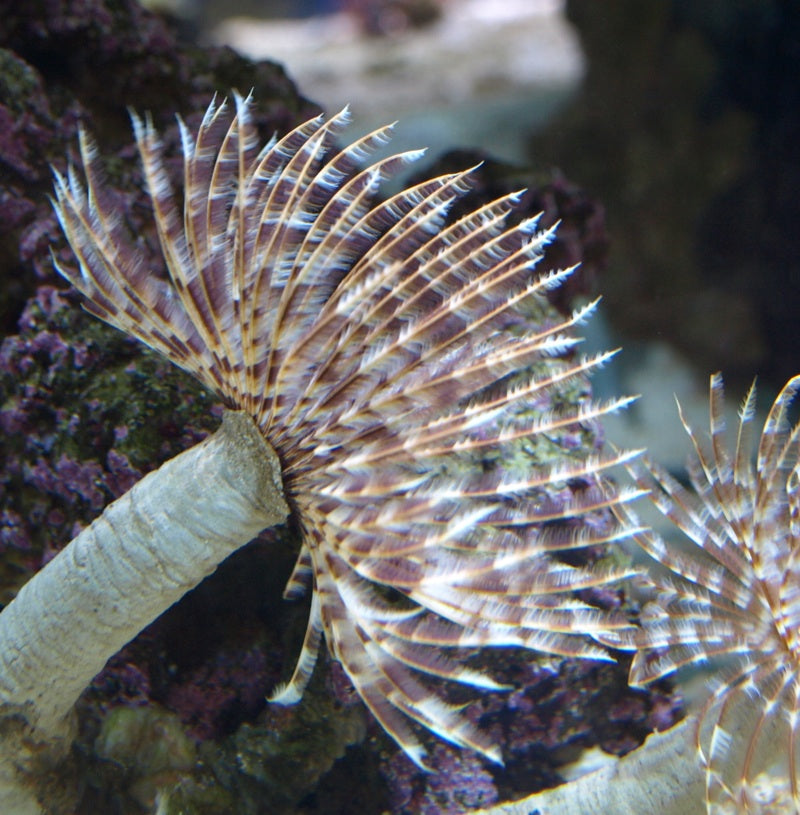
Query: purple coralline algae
[459,782]
[213,695]
[80,426]
[68,61]
[557,710]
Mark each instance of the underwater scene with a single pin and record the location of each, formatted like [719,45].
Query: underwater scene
[397,407]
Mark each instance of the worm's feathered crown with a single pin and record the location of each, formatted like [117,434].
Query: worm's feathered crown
[386,356]
[731,597]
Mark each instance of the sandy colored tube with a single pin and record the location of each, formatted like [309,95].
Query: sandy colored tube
[141,555]
[662,776]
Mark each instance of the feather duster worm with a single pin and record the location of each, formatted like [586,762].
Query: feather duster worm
[386,357]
